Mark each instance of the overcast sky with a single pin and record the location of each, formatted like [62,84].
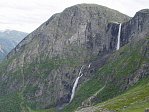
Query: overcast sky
[27,15]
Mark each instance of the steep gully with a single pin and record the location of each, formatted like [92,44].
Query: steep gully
[80,72]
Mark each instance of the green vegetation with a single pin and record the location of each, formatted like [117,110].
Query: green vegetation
[120,66]
[125,61]
[10,103]
[136,99]
[45,110]
[15,103]
[39,70]
[3,64]
[85,91]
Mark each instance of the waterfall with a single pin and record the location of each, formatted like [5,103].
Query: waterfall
[118,37]
[75,84]
[89,65]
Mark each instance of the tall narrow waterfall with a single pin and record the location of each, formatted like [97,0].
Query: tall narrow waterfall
[118,37]
[76,83]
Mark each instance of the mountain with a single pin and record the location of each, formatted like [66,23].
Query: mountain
[76,51]
[8,40]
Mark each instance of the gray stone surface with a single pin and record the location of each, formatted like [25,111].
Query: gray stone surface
[146,110]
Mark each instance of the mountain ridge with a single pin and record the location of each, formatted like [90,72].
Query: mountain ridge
[8,40]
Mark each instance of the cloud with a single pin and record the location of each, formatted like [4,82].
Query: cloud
[26,15]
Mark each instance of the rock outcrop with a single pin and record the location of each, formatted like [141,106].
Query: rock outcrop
[136,28]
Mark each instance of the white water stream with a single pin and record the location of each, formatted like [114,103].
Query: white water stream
[89,65]
[76,83]
[118,37]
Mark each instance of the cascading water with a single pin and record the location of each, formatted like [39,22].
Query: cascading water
[76,83]
[89,65]
[118,37]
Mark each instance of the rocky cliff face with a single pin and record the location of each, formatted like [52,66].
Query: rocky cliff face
[45,64]
[136,28]
[83,25]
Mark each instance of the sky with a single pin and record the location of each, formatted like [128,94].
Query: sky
[27,15]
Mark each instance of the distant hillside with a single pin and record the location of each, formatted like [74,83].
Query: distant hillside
[8,40]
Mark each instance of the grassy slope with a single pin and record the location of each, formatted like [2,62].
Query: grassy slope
[10,103]
[15,103]
[136,99]
[121,65]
